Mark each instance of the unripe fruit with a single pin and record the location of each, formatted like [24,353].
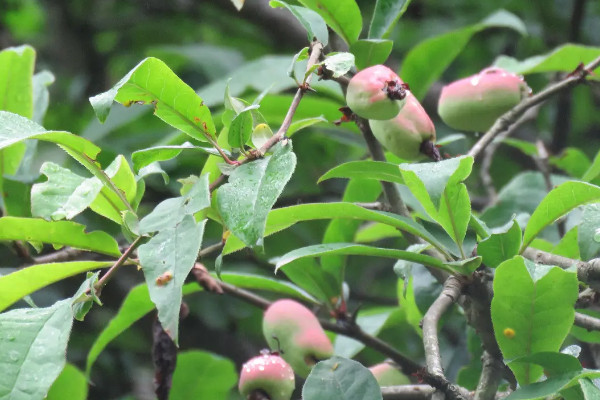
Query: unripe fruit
[474,103]
[270,374]
[388,375]
[405,134]
[293,329]
[376,93]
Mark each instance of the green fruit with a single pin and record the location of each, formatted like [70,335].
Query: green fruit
[296,333]
[270,374]
[473,104]
[404,134]
[376,93]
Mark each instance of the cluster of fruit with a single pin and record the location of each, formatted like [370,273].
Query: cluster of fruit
[402,126]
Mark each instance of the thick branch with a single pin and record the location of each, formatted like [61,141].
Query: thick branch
[587,322]
[588,272]
[407,392]
[510,117]
[490,378]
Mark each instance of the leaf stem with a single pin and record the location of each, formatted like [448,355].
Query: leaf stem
[116,266]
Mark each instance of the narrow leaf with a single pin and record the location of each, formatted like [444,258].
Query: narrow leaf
[557,203]
[385,16]
[245,201]
[166,261]
[22,282]
[311,21]
[153,82]
[564,58]
[378,170]
[142,158]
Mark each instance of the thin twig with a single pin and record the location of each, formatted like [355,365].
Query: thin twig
[407,392]
[505,121]
[435,372]
[210,249]
[588,322]
[62,255]
[116,266]
[376,205]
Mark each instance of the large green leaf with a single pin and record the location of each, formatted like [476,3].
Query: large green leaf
[166,260]
[501,246]
[15,129]
[532,311]
[311,21]
[437,53]
[586,234]
[71,384]
[245,201]
[340,378]
[358,249]
[385,16]
[378,170]
[153,82]
[202,375]
[62,233]
[369,52]
[557,203]
[343,16]
[33,349]
[25,281]
[564,58]
[282,218]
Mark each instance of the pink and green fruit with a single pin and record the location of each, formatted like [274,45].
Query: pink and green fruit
[474,103]
[292,329]
[388,375]
[376,93]
[269,374]
[404,135]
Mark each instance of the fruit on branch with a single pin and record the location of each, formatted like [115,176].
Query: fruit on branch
[269,375]
[376,93]
[474,103]
[409,135]
[294,331]
[387,374]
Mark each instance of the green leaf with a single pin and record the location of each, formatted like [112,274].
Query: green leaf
[378,170]
[371,52]
[166,261]
[142,158]
[373,232]
[304,123]
[86,296]
[240,129]
[256,282]
[245,201]
[311,21]
[357,249]
[152,82]
[16,86]
[528,313]
[385,16]
[437,53]
[564,58]
[24,281]
[171,212]
[282,218]
[343,16]
[526,147]
[557,203]
[371,322]
[14,129]
[34,344]
[71,384]
[41,95]
[551,386]
[202,375]
[594,169]
[499,247]
[573,161]
[568,247]
[339,63]
[62,233]
[589,225]
[340,378]
[590,391]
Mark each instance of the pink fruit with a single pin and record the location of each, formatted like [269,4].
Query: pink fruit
[388,375]
[404,135]
[376,93]
[293,329]
[473,104]
[268,373]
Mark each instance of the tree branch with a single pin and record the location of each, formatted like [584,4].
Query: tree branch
[435,372]
[491,375]
[587,322]
[510,117]
[407,392]
[588,272]
[116,266]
